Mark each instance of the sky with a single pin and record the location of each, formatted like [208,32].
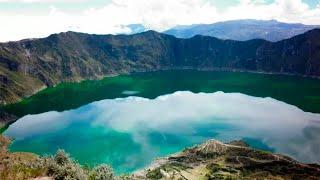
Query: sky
[39,18]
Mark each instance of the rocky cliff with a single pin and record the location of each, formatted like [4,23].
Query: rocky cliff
[27,66]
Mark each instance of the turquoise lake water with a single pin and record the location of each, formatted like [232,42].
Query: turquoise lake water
[128,133]
[127,121]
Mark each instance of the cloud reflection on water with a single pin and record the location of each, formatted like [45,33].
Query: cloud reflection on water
[283,127]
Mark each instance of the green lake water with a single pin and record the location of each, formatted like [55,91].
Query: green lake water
[129,120]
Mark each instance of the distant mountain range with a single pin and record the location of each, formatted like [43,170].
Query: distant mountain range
[30,65]
[243,30]
[136,28]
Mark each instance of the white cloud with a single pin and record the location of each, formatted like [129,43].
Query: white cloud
[283,10]
[41,1]
[154,14]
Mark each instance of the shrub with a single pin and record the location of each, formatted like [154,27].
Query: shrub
[102,172]
[62,158]
[62,167]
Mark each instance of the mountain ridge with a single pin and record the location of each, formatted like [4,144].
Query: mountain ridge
[29,65]
[243,30]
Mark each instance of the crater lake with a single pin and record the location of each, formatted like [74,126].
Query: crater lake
[129,120]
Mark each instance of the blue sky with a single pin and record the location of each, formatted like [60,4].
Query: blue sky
[39,18]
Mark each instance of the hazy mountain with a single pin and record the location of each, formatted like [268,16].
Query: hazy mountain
[30,65]
[242,30]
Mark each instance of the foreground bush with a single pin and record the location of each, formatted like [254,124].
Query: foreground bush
[62,167]
[101,172]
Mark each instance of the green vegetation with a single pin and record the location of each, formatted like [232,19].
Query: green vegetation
[101,172]
[169,167]
[61,167]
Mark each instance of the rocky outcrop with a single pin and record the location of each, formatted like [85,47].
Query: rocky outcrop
[30,65]
[216,160]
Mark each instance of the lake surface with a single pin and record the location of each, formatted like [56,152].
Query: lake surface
[298,91]
[127,121]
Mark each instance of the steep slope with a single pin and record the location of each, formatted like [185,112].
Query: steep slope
[30,65]
[243,30]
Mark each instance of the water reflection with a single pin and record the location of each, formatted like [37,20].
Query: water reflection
[129,132]
[127,92]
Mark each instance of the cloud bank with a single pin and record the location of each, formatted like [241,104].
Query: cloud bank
[194,117]
[154,14]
